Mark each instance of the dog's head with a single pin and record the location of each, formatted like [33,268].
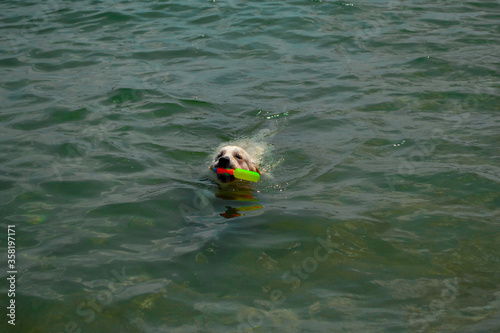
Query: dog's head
[232,157]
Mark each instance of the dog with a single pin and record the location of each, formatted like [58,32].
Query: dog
[232,157]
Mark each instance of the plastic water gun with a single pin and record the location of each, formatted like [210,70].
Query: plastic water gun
[239,173]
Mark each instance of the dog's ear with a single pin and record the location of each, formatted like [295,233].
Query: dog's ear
[211,167]
[255,168]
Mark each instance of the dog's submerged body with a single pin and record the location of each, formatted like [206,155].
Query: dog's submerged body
[232,157]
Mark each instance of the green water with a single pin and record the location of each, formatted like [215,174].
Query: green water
[379,211]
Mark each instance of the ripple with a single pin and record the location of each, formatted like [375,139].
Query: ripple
[383,118]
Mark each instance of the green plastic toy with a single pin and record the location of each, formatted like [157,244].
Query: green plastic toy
[239,173]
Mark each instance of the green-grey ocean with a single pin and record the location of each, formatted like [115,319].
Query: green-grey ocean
[378,128]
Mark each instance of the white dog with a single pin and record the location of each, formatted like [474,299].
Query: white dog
[232,157]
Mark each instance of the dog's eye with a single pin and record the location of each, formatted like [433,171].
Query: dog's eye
[218,156]
[238,157]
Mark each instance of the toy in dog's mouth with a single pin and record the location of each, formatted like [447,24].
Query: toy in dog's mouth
[238,174]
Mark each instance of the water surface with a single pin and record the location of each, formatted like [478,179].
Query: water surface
[379,212]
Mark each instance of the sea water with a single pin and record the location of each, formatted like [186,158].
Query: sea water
[377,123]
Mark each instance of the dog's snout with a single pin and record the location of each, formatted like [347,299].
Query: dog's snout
[224,162]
